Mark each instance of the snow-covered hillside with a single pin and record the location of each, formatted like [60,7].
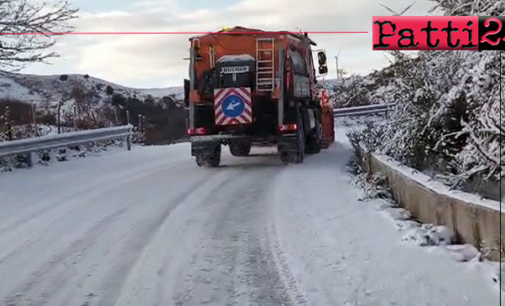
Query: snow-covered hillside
[85,102]
[50,89]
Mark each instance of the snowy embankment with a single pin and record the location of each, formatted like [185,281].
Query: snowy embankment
[473,219]
[439,187]
[437,239]
[149,227]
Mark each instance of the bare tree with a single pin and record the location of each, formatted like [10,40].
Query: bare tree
[28,29]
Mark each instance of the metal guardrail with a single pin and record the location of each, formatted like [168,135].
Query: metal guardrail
[30,145]
[363,110]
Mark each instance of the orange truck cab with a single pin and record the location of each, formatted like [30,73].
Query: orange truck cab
[249,87]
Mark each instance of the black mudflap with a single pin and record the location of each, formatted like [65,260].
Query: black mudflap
[288,143]
[207,153]
[203,148]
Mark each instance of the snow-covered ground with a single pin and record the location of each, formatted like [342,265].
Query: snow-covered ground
[148,227]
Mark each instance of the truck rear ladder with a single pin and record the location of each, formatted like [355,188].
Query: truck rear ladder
[265,75]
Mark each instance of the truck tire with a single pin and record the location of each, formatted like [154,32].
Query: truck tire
[300,154]
[314,140]
[240,148]
[286,158]
[210,161]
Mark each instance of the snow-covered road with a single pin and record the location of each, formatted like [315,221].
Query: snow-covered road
[148,227]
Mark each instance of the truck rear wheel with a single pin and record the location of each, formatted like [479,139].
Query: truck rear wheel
[240,148]
[314,141]
[300,152]
[286,158]
[210,161]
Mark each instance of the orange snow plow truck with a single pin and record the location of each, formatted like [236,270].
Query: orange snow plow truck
[251,87]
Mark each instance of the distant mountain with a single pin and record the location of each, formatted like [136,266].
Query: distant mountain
[50,89]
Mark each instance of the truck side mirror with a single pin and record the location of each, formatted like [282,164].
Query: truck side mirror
[321,57]
[186,92]
[323,69]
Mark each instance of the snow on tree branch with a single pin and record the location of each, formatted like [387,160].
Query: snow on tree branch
[36,26]
[448,116]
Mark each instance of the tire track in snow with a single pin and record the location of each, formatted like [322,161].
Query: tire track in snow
[62,210]
[235,264]
[162,262]
[86,191]
[71,254]
[47,281]
[216,246]
[121,273]
[296,294]
[294,290]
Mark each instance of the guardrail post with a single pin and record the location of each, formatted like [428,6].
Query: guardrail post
[29,159]
[144,128]
[140,127]
[58,118]
[128,138]
[128,143]
[8,122]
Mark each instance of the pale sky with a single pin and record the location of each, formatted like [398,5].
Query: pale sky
[157,60]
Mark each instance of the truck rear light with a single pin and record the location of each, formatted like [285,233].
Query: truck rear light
[288,127]
[197,131]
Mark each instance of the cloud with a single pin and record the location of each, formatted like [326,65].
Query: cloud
[153,60]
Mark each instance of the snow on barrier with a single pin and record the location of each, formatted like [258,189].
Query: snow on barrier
[30,145]
[363,110]
[473,219]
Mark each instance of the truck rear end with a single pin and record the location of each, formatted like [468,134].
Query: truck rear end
[238,93]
